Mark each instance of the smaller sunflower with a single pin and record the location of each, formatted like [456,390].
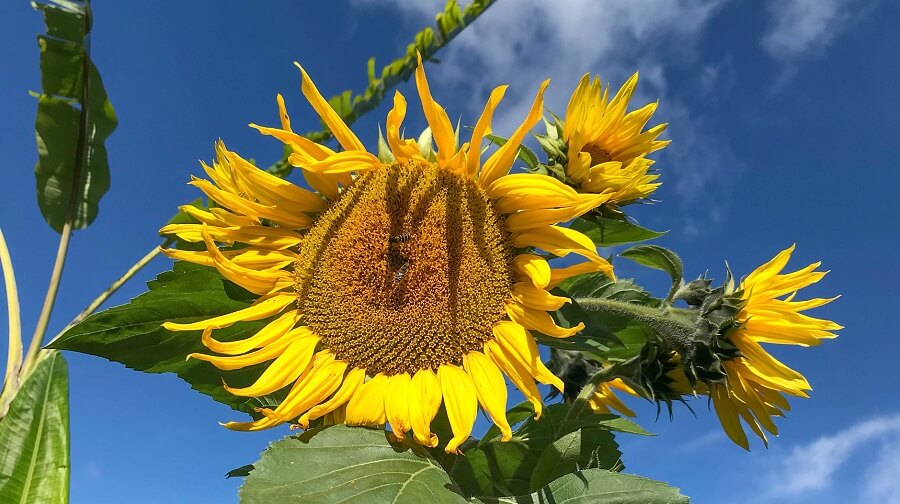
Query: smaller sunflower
[757,382]
[606,146]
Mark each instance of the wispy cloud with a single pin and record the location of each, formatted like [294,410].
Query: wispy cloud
[525,41]
[814,467]
[882,483]
[801,29]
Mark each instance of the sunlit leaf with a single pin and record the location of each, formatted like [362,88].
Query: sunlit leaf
[598,486]
[34,436]
[496,468]
[347,465]
[607,232]
[659,258]
[74,119]
[132,334]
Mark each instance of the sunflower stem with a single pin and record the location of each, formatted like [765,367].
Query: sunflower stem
[675,326]
[49,300]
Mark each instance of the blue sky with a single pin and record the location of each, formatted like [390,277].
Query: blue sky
[783,116]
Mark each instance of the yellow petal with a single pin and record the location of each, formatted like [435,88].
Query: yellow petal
[460,402]
[396,404]
[267,353]
[258,282]
[532,268]
[265,336]
[323,378]
[518,345]
[482,128]
[425,400]
[256,236]
[520,191]
[559,275]
[490,389]
[441,128]
[539,299]
[263,307]
[403,150]
[728,416]
[561,241]
[245,206]
[517,373]
[771,268]
[336,125]
[275,191]
[289,366]
[352,381]
[346,162]
[501,161]
[539,320]
[366,407]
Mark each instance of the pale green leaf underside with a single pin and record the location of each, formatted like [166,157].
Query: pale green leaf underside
[34,436]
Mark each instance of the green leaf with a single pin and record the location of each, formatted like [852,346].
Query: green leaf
[628,335]
[497,468]
[525,154]
[659,258]
[583,448]
[132,334]
[74,119]
[598,486]
[606,232]
[34,435]
[347,465]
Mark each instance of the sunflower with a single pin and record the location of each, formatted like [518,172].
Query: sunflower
[606,148]
[757,382]
[393,287]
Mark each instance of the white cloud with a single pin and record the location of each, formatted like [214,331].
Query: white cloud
[815,466]
[522,42]
[882,483]
[801,27]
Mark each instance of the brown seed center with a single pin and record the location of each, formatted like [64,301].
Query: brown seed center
[408,270]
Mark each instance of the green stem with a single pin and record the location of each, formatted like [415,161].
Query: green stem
[14,349]
[675,325]
[49,300]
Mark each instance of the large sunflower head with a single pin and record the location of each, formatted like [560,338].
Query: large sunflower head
[606,146]
[393,287]
[756,382]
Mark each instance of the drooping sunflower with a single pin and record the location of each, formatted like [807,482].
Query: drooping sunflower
[757,382]
[606,146]
[395,286]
